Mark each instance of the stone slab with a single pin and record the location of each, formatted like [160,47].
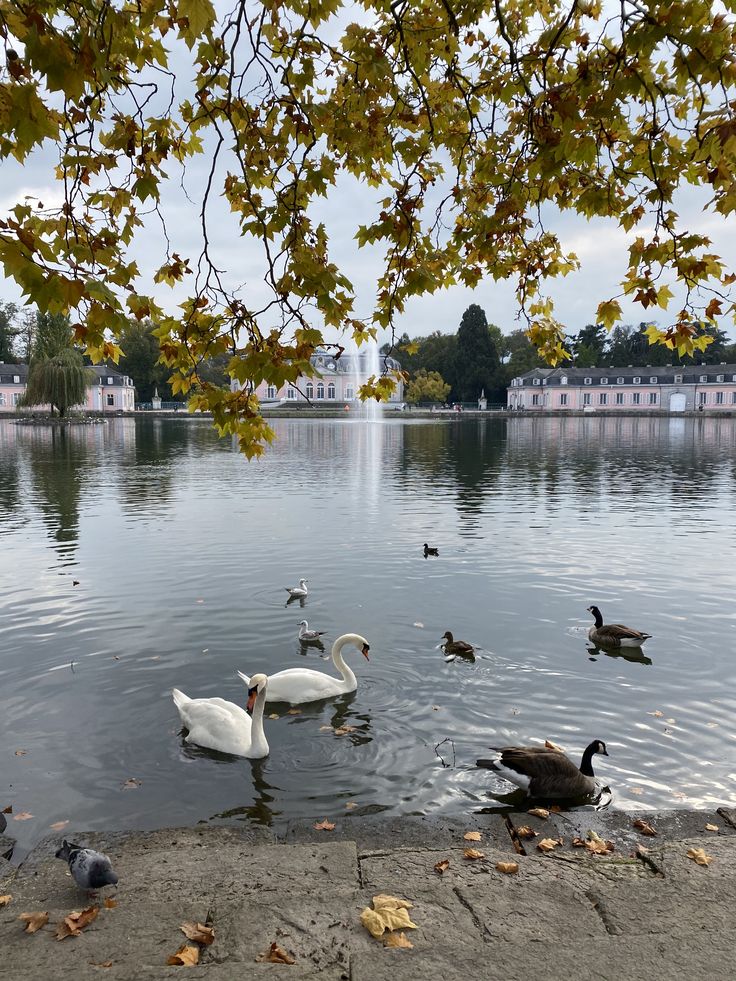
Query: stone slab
[379,833]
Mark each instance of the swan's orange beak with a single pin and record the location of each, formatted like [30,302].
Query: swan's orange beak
[364,651]
[252,695]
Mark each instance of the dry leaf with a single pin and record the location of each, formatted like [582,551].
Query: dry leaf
[4,900]
[343,730]
[102,964]
[597,845]
[526,832]
[555,809]
[110,903]
[397,940]
[472,836]
[350,805]
[578,842]
[712,827]
[440,867]
[389,913]
[274,716]
[276,955]
[186,955]
[325,729]
[540,812]
[508,868]
[34,921]
[23,816]
[548,844]
[656,714]
[384,901]
[324,826]
[548,744]
[72,925]
[58,825]
[131,784]
[699,857]
[645,828]
[472,854]
[198,931]
[294,712]
[21,752]
[7,810]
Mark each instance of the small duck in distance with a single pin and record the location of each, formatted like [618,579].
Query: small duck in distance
[613,634]
[458,648]
[307,636]
[298,592]
[430,551]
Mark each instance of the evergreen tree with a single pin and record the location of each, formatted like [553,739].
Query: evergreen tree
[139,361]
[588,346]
[8,333]
[476,358]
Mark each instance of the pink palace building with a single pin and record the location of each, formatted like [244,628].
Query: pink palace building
[110,392]
[673,388]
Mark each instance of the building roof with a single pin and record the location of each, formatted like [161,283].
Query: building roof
[9,371]
[663,375]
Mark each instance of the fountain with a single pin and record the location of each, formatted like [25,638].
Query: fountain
[367,363]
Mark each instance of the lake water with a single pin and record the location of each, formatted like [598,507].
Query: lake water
[181,550]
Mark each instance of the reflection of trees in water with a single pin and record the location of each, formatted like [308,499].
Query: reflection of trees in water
[10,478]
[154,454]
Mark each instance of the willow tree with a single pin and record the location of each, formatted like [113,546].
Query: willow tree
[458,131]
[59,381]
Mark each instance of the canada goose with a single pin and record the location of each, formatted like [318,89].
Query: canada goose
[456,647]
[613,634]
[546,772]
[430,551]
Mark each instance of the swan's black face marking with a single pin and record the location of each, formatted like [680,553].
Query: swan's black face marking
[364,651]
[252,693]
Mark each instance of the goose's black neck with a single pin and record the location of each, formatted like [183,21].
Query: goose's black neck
[597,616]
[586,765]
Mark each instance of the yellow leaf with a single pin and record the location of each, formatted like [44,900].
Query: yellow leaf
[526,832]
[377,921]
[34,921]
[72,925]
[186,955]
[472,836]
[540,812]
[384,901]
[324,826]
[397,940]
[4,900]
[440,867]
[110,903]
[472,854]
[699,857]
[645,827]
[199,932]
[508,868]
[548,844]
[708,827]
[276,955]
[608,313]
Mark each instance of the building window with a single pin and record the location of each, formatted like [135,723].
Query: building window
[109,380]
[331,391]
[733,398]
[678,379]
[637,398]
[111,400]
[271,392]
[719,398]
[349,392]
[320,390]
[602,398]
[702,398]
[652,398]
[537,381]
[586,398]
[588,381]
[653,380]
[703,378]
[291,393]
[2,398]
[563,399]
[16,379]
[604,381]
[563,380]
[637,381]
[619,381]
[619,398]
[535,399]
[310,390]
[720,378]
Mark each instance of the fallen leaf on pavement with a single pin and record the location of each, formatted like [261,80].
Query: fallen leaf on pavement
[442,866]
[540,812]
[548,744]
[397,940]
[388,913]
[508,868]
[597,845]
[472,836]
[276,955]
[472,854]
[186,955]
[132,783]
[324,826]
[645,828]
[110,903]
[555,809]
[578,842]
[699,857]
[34,921]
[199,932]
[526,832]
[58,825]
[4,900]
[712,827]
[102,964]
[72,925]
[23,816]
[548,844]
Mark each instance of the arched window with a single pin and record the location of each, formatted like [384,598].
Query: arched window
[320,390]
[331,391]
[310,390]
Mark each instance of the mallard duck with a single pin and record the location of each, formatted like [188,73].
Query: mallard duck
[545,772]
[457,647]
[430,551]
[613,634]
[298,592]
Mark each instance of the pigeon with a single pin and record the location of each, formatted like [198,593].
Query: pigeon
[90,870]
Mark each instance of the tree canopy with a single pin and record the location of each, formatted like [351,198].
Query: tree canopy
[469,127]
[427,386]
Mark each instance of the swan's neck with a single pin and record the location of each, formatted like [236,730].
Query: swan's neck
[586,765]
[348,677]
[258,741]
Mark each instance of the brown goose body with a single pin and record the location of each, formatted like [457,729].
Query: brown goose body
[459,648]
[547,773]
[613,634]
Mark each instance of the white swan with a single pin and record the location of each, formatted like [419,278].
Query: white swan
[297,685]
[299,591]
[224,726]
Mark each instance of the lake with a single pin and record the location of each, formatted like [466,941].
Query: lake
[147,554]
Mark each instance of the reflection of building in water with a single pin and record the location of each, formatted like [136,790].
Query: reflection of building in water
[674,388]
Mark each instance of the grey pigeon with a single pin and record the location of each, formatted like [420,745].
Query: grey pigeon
[90,869]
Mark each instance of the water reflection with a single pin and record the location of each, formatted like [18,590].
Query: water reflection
[632,654]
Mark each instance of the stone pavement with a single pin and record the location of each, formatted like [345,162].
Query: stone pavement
[567,914]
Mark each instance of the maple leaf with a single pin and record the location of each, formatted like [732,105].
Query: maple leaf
[442,866]
[645,828]
[4,900]
[698,856]
[198,931]
[472,836]
[548,844]
[186,955]
[34,921]
[324,826]
[73,924]
[397,940]
[508,868]
[472,854]
[388,913]
[275,955]
[540,812]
